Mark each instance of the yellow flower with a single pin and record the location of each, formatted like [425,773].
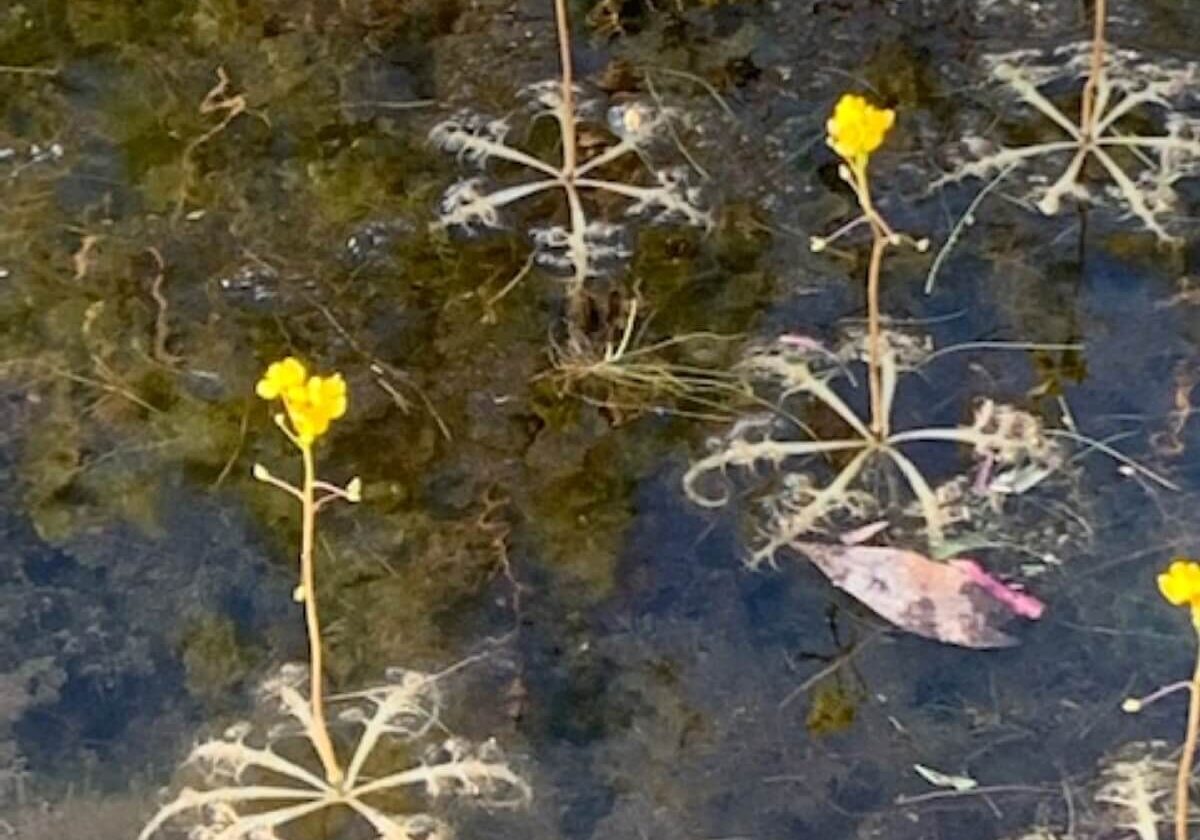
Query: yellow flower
[312,403]
[857,128]
[324,400]
[281,378]
[1180,585]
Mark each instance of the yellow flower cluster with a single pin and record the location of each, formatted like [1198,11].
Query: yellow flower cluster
[312,402]
[1180,585]
[857,128]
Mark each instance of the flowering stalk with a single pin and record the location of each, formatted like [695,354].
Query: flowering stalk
[882,236]
[857,129]
[1180,585]
[308,591]
[310,404]
[1184,775]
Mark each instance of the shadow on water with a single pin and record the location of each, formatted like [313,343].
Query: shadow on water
[193,190]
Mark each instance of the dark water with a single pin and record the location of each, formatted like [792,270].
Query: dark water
[156,255]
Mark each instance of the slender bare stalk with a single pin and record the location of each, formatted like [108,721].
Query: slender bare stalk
[879,420]
[568,88]
[1184,776]
[883,236]
[576,297]
[321,739]
[1087,108]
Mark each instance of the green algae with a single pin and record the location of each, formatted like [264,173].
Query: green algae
[216,661]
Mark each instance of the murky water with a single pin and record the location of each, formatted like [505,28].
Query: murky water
[191,190]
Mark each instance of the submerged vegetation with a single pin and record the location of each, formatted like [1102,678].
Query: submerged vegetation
[191,190]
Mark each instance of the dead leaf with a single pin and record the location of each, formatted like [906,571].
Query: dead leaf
[955,602]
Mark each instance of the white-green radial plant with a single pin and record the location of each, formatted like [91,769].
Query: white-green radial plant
[583,245]
[251,792]
[818,487]
[1141,132]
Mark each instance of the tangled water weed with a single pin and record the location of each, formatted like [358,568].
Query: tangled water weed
[628,379]
[1130,794]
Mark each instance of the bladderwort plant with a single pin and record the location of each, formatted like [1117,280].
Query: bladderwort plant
[584,248]
[1180,586]
[1015,450]
[252,792]
[1122,91]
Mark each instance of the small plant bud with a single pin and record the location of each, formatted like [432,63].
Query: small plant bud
[298,594]
[817,244]
[354,490]
[1131,705]
[260,472]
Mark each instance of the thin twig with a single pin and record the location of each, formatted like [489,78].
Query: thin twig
[671,130]
[704,83]
[29,71]
[964,221]
[162,327]
[1116,455]
[977,791]
[237,450]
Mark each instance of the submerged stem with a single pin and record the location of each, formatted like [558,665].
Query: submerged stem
[320,733]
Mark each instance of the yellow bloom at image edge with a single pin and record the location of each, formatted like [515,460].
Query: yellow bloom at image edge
[858,128]
[312,403]
[1180,583]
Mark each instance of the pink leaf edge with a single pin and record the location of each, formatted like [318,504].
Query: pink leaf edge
[1021,603]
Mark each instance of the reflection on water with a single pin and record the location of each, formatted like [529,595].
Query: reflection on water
[192,190]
